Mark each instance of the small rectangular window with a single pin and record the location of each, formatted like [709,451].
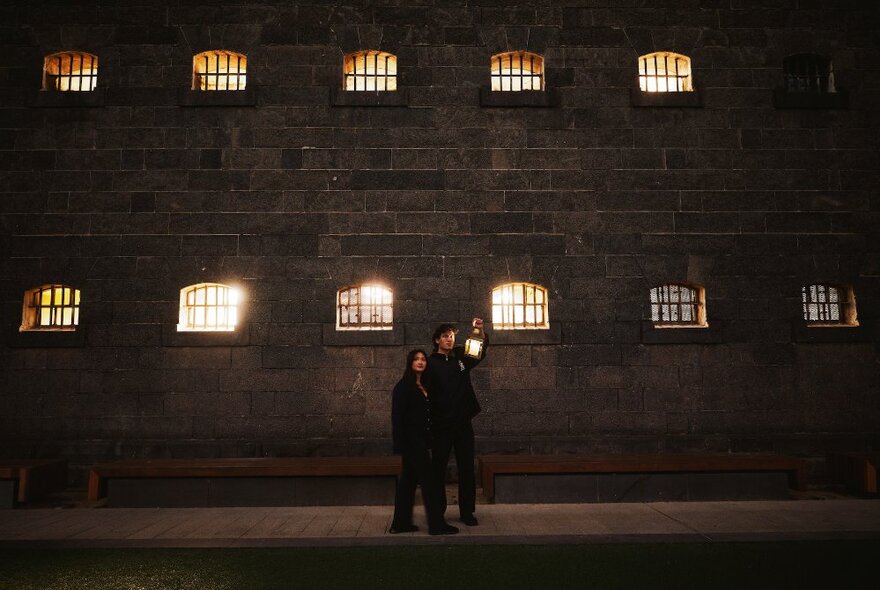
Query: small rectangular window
[51,307]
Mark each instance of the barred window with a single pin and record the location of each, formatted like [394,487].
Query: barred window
[219,70]
[807,72]
[665,72]
[676,305]
[364,307]
[826,304]
[50,307]
[70,71]
[519,306]
[516,71]
[208,307]
[370,71]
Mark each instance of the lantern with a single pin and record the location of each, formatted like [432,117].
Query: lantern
[473,346]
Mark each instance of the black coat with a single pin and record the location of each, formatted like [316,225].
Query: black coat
[453,399]
[410,419]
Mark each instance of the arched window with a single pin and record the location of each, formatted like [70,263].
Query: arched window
[368,306]
[219,70]
[70,71]
[515,71]
[807,72]
[50,307]
[665,72]
[208,307]
[519,306]
[826,304]
[370,71]
[675,305]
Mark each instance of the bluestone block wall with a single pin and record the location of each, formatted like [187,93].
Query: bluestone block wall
[293,198]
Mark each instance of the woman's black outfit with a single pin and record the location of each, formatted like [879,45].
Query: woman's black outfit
[411,431]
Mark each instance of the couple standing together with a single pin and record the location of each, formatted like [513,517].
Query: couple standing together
[431,411]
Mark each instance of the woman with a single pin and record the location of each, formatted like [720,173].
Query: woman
[411,431]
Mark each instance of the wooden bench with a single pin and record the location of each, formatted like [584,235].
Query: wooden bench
[857,471]
[604,478]
[294,481]
[24,481]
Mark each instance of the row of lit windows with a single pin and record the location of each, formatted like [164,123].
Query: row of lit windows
[376,71]
[213,307]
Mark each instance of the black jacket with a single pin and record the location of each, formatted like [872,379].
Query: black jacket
[410,419]
[453,399]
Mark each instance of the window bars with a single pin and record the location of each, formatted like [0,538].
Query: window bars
[219,70]
[516,71]
[807,72]
[677,305]
[370,71]
[51,307]
[70,71]
[518,306]
[828,304]
[364,307]
[665,72]
[208,307]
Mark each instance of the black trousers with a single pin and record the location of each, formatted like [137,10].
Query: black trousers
[416,469]
[461,438]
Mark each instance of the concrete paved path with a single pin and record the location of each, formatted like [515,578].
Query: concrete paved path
[367,525]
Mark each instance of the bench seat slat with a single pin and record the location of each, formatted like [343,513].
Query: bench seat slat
[241,467]
[491,465]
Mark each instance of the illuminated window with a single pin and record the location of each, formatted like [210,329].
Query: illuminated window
[50,307]
[70,71]
[370,71]
[516,71]
[364,307]
[806,72]
[678,306]
[519,306]
[665,72]
[829,305]
[219,70]
[208,307]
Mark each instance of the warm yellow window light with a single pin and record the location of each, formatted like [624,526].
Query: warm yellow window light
[519,306]
[665,72]
[829,305]
[208,307]
[50,307]
[364,307]
[70,71]
[370,71]
[674,305]
[219,70]
[516,71]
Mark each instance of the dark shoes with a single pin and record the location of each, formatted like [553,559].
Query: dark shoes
[446,529]
[394,530]
[470,520]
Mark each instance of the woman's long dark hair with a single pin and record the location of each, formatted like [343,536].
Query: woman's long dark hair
[409,376]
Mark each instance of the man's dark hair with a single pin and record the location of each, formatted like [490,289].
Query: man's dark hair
[441,329]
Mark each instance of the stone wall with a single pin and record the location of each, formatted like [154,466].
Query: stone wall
[293,197]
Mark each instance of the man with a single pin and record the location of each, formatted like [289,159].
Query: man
[453,405]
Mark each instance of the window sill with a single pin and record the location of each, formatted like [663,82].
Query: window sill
[525,98]
[333,337]
[46,338]
[802,332]
[352,98]
[553,335]
[217,98]
[239,337]
[691,334]
[782,99]
[638,98]
[53,99]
